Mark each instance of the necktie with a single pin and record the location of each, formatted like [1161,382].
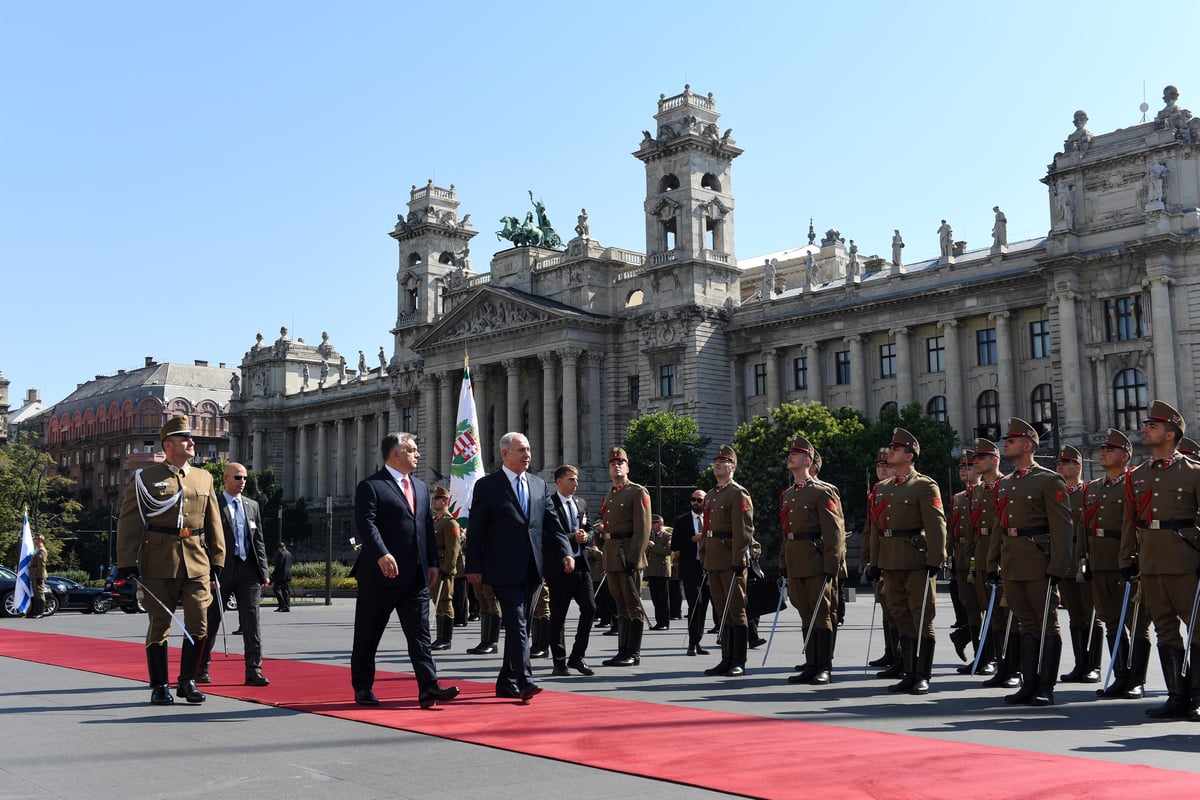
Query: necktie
[573,519]
[522,494]
[406,487]
[239,529]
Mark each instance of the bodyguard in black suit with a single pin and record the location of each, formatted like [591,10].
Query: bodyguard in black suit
[575,585]
[244,575]
[687,531]
[396,566]
[513,529]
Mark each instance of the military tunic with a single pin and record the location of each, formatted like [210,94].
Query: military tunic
[1162,499]
[449,541]
[1031,540]
[962,553]
[625,513]
[875,512]
[1076,596]
[983,519]
[728,535]
[814,545]
[1103,506]
[176,548]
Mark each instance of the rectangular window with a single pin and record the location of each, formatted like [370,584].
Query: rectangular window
[406,414]
[800,372]
[935,349]
[985,341]
[1039,338]
[887,360]
[635,390]
[666,380]
[760,380]
[1123,318]
[841,361]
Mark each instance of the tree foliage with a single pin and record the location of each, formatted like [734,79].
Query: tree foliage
[30,479]
[665,451]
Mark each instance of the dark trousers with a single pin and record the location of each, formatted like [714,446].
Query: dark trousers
[575,586]
[696,592]
[658,596]
[606,609]
[515,601]
[238,579]
[372,609]
[283,594]
[460,600]
[675,593]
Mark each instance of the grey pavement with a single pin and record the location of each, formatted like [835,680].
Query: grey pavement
[75,734]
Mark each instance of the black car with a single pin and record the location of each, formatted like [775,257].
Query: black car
[8,585]
[122,593]
[88,599]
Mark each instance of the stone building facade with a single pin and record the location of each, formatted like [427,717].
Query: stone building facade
[1076,331]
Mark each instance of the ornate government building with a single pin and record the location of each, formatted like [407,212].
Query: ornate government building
[1076,331]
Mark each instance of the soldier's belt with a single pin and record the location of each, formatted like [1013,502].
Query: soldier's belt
[811,537]
[984,530]
[1168,524]
[889,533]
[182,533]
[1103,533]
[615,537]
[1038,531]
[717,535]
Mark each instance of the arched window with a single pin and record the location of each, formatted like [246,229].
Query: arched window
[635,298]
[1041,411]
[414,260]
[710,182]
[1129,399]
[936,409]
[987,415]
[889,411]
[668,183]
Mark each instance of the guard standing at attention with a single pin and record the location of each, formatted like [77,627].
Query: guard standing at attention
[725,549]
[1087,636]
[625,514]
[449,540]
[1001,654]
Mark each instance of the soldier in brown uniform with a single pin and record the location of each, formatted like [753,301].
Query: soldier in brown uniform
[658,572]
[169,537]
[908,542]
[1000,657]
[1031,548]
[625,514]
[814,544]
[891,635]
[1103,516]
[449,542]
[724,550]
[1087,637]
[1160,536]
[962,554]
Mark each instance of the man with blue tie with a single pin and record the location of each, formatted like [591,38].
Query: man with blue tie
[575,585]
[396,566]
[244,575]
[514,528]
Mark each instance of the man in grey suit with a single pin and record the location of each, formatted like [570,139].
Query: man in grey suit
[513,529]
[396,566]
[244,575]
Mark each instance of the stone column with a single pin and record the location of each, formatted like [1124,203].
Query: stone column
[445,439]
[774,395]
[1068,330]
[904,367]
[478,381]
[1006,376]
[428,425]
[570,405]
[858,374]
[549,411]
[1103,392]
[304,460]
[363,448]
[323,485]
[737,390]
[341,476]
[595,360]
[512,371]
[381,429]
[1165,387]
[954,375]
[257,450]
[816,380]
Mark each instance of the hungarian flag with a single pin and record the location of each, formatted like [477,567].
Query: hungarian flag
[24,589]
[466,462]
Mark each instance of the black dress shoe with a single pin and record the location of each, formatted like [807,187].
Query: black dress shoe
[434,693]
[256,679]
[482,649]
[161,695]
[691,651]
[753,643]
[715,629]
[365,697]
[203,677]
[440,645]
[560,669]
[528,693]
[186,689]
[539,653]
[508,692]
[581,666]
[662,626]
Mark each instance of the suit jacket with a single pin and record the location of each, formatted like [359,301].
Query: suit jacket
[581,563]
[386,524]
[256,557]
[501,539]
[681,542]
[281,567]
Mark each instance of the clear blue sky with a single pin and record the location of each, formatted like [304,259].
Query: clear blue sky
[177,177]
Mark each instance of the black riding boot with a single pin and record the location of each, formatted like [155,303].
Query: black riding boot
[489,630]
[908,655]
[923,666]
[1178,696]
[1121,670]
[1050,658]
[156,666]
[739,642]
[1029,671]
[889,650]
[726,662]
[189,662]
[1139,663]
[445,633]
[896,669]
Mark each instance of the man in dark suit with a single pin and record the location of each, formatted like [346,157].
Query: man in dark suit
[574,585]
[244,575]
[281,576]
[396,566]
[688,530]
[513,528]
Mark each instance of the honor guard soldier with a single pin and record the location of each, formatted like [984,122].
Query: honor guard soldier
[170,539]
[908,542]
[625,513]
[814,544]
[1000,657]
[1160,537]
[891,635]
[1190,448]
[962,556]
[449,540]
[1031,547]
[725,548]
[1103,517]
[1087,638]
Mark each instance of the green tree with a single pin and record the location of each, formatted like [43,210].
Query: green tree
[30,479]
[939,444]
[296,525]
[665,451]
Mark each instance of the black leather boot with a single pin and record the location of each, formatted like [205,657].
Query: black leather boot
[923,666]
[889,650]
[908,654]
[445,634]
[725,663]
[622,644]
[189,662]
[960,638]
[739,642]
[487,644]
[539,646]
[156,667]
[896,669]
[1078,640]
[1029,671]
[822,657]
[809,667]
[1008,667]
[1139,663]
[1178,697]
[1120,682]
[1050,659]
[1095,654]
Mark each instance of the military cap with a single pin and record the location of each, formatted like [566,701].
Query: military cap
[881,456]
[1161,412]
[1069,454]
[176,426]
[902,438]
[656,518]
[1118,441]
[617,454]
[1188,447]
[37,536]
[801,445]
[726,453]
[985,447]
[967,458]
[1020,429]
[441,491]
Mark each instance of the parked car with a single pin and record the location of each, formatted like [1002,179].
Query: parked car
[8,585]
[88,599]
[122,593]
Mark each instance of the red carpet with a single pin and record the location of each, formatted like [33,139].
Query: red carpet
[725,752]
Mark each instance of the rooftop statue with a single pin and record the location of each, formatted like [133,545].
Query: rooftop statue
[530,233]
